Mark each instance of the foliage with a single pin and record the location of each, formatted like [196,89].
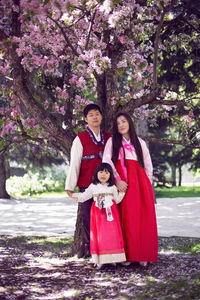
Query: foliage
[58,56]
[165,156]
[36,183]
[42,267]
[33,158]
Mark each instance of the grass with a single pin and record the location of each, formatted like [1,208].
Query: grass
[184,245]
[164,192]
[41,267]
[177,191]
[49,195]
[160,192]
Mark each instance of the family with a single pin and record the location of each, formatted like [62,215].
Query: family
[114,176]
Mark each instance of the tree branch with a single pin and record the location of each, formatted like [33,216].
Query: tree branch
[65,36]
[3,36]
[135,103]
[35,109]
[169,102]
[156,42]
[170,142]
[192,26]
[90,30]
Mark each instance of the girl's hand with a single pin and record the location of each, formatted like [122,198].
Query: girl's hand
[74,196]
[122,186]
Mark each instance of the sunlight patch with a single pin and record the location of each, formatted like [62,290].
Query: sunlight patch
[71,293]
[48,264]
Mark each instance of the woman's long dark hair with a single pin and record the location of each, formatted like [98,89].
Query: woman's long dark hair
[102,167]
[117,140]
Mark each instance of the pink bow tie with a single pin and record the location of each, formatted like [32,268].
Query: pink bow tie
[129,147]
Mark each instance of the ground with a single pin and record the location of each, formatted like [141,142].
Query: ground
[39,267]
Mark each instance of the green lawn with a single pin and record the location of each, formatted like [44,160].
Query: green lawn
[164,192]
[178,191]
[49,195]
[172,192]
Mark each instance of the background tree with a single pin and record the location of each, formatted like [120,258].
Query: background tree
[59,55]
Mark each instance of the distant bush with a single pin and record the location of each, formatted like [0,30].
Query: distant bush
[36,183]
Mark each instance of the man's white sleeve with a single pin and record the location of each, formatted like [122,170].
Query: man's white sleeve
[75,163]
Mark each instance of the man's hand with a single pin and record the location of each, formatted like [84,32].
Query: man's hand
[122,186]
[69,193]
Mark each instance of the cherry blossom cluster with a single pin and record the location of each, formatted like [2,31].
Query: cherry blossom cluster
[90,37]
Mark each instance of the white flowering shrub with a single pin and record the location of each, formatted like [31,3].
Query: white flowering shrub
[31,184]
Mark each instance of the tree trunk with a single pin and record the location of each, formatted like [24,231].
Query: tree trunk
[3,192]
[173,175]
[180,175]
[104,92]
[78,245]
[142,128]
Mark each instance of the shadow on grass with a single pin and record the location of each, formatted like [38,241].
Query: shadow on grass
[42,268]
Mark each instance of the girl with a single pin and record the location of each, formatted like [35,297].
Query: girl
[106,244]
[129,157]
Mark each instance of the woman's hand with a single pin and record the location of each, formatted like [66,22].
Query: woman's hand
[122,186]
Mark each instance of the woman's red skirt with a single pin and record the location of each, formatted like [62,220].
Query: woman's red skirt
[138,217]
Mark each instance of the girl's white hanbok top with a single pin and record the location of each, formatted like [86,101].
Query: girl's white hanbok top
[102,195]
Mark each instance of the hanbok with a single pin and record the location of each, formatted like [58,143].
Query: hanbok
[137,210]
[106,240]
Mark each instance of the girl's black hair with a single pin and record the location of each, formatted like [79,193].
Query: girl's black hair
[117,140]
[102,167]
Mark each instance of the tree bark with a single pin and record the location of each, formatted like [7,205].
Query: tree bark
[3,192]
[78,245]
[173,175]
[180,175]
[142,128]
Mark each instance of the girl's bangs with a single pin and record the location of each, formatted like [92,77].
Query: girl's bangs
[104,169]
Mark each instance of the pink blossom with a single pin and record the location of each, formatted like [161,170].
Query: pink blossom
[106,6]
[62,110]
[122,39]
[188,119]
[56,107]
[191,114]
[73,79]
[80,82]
[46,103]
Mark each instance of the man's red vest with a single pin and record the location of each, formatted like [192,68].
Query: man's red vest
[92,157]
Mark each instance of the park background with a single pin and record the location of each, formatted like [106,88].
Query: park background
[137,56]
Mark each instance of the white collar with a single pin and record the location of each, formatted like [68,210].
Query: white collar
[103,185]
[97,137]
[127,141]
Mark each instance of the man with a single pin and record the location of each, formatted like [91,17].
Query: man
[86,155]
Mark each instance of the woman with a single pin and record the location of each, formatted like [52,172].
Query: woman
[131,162]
